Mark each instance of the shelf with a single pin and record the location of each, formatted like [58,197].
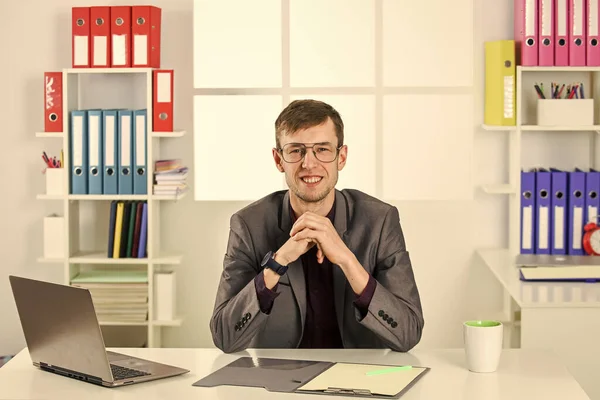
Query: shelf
[169,197]
[93,197]
[174,134]
[537,294]
[108,70]
[50,260]
[558,69]
[498,128]
[499,189]
[49,197]
[174,322]
[49,134]
[108,197]
[100,258]
[592,128]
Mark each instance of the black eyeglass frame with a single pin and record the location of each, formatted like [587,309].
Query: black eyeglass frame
[337,152]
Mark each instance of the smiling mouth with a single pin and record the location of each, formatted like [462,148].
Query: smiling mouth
[312,179]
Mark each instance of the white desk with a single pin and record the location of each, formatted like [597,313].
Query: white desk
[523,374]
[561,316]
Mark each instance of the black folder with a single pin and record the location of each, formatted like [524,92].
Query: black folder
[317,377]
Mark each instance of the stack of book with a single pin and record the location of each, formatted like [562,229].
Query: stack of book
[170,178]
[118,296]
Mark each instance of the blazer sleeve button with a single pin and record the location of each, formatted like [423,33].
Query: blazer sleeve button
[394,324]
[381,313]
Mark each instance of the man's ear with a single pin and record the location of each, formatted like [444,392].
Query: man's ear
[278,160]
[342,157]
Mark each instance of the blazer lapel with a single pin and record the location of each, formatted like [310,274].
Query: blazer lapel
[339,279]
[295,271]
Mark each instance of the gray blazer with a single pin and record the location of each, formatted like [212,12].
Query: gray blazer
[371,230]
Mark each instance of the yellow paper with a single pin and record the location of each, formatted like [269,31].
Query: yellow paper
[354,376]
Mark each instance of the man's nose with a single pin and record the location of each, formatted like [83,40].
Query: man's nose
[310,160]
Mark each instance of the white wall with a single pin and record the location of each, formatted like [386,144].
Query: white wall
[441,235]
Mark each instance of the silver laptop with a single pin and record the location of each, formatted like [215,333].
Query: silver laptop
[63,336]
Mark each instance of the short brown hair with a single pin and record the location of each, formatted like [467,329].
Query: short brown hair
[303,114]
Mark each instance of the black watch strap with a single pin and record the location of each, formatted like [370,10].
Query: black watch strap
[269,262]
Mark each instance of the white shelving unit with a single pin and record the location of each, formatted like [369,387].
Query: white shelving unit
[134,90]
[531,308]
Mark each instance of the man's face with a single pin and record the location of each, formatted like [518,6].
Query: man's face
[310,179]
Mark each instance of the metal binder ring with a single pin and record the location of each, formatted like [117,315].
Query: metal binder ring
[53,117]
[140,171]
[543,193]
[80,21]
[559,194]
[578,42]
[577,193]
[78,171]
[527,194]
[593,194]
[119,21]
[99,21]
[163,116]
[94,171]
[530,42]
[562,42]
[125,171]
[141,21]
[110,171]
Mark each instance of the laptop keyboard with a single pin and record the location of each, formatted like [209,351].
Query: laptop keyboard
[125,373]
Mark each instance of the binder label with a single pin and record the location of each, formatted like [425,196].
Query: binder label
[140,45]
[119,50]
[546,18]
[163,82]
[561,23]
[109,154]
[81,50]
[100,44]
[543,228]
[508,96]
[593,18]
[559,228]
[530,17]
[577,227]
[94,138]
[527,228]
[592,214]
[577,17]
[77,141]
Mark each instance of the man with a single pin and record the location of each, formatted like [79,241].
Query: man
[312,266]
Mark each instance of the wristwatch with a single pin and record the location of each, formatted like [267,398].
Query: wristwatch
[269,262]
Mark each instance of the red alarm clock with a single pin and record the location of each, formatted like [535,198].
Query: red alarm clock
[591,239]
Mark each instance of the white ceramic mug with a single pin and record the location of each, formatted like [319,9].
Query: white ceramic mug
[483,344]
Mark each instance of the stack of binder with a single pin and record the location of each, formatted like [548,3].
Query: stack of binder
[128,229]
[555,207]
[557,32]
[118,296]
[108,152]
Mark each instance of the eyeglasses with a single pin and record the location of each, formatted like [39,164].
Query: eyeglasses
[294,152]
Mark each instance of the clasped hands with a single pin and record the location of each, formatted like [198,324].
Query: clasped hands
[314,230]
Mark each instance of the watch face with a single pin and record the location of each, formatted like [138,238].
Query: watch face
[595,241]
[266,258]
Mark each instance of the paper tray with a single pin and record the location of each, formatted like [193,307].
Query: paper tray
[314,377]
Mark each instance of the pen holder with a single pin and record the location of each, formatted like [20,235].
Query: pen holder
[565,112]
[54,237]
[54,181]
